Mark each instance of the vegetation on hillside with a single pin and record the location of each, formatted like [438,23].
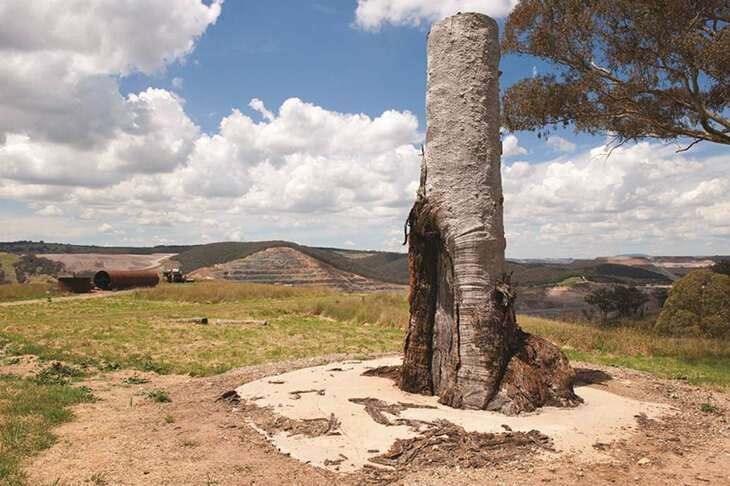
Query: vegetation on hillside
[698,305]
[722,266]
[41,247]
[32,266]
[534,274]
[622,300]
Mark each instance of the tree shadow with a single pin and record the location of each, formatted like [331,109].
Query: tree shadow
[587,376]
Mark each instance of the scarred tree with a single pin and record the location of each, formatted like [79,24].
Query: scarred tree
[629,69]
[463,342]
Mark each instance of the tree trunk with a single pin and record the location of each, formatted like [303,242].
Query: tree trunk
[463,343]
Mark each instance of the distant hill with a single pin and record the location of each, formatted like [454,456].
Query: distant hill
[41,247]
[283,265]
[384,266]
[392,267]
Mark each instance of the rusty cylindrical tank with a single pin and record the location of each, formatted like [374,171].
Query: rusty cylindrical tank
[125,279]
[77,285]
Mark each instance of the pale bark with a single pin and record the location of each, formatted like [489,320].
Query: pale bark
[463,342]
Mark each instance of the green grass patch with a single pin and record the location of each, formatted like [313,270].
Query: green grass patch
[28,411]
[696,360]
[158,396]
[135,331]
[147,330]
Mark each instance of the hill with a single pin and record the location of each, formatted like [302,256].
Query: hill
[282,265]
[383,266]
[391,267]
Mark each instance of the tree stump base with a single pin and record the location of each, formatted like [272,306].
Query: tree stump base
[537,375]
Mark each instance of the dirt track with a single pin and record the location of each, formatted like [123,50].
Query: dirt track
[95,295]
[127,440]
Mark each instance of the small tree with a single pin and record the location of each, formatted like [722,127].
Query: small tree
[631,69]
[628,301]
[602,299]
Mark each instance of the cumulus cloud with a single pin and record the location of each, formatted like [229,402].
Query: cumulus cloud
[372,14]
[511,147]
[93,165]
[159,139]
[560,144]
[302,167]
[61,106]
[144,35]
[50,210]
[643,197]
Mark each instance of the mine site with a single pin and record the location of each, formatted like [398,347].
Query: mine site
[364,242]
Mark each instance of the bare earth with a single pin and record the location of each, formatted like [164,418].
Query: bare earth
[287,266]
[81,262]
[124,439]
[97,294]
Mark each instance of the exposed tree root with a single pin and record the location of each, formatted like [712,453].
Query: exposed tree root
[270,422]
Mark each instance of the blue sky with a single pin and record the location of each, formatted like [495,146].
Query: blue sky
[186,121]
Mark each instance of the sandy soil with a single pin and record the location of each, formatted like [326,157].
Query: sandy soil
[340,389]
[124,439]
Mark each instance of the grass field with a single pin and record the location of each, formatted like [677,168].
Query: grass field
[28,291]
[147,330]
[152,330]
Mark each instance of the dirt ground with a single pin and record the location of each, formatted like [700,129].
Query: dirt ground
[82,262]
[94,295]
[125,439]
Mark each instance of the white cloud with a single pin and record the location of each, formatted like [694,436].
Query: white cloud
[511,147]
[105,228]
[643,197]
[60,96]
[160,139]
[50,210]
[304,167]
[372,14]
[177,83]
[560,144]
[258,105]
[104,36]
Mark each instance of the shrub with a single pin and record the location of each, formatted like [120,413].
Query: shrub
[723,267]
[31,265]
[698,305]
[158,396]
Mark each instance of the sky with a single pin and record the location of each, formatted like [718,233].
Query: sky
[188,121]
